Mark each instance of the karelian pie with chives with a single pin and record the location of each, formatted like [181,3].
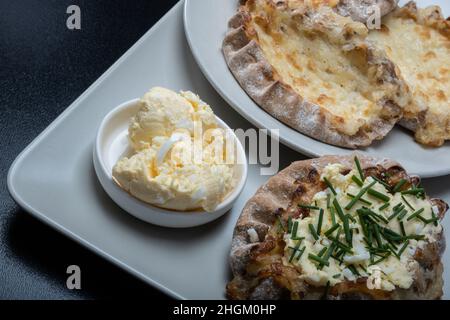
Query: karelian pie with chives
[418,42]
[339,227]
[314,70]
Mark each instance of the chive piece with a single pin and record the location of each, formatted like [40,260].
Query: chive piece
[357,181]
[362,268]
[336,276]
[358,166]
[338,208]
[321,252]
[377,235]
[399,185]
[304,206]
[388,187]
[298,238]
[359,195]
[328,200]
[294,251]
[328,183]
[333,217]
[360,199]
[384,206]
[436,219]
[294,229]
[407,203]
[402,214]
[362,222]
[318,259]
[331,230]
[415,214]
[313,232]
[415,191]
[289,224]
[319,223]
[301,253]
[415,237]
[381,259]
[348,236]
[402,228]
[352,268]
[379,195]
[403,248]
[281,223]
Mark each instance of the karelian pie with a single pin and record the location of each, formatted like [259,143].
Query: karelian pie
[339,227]
[314,70]
[418,42]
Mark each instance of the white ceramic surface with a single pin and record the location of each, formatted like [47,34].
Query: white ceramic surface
[206,25]
[112,144]
[54,179]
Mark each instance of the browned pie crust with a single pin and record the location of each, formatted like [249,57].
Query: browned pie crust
[270,91]
[257,266]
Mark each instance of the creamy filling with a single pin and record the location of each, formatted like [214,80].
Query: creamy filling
[374,236]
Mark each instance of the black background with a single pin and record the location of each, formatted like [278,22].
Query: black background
[43,68]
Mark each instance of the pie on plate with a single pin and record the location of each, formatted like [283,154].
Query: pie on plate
[315,70]
[339,227]
[418,42]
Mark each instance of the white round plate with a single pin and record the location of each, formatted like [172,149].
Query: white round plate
[206,23]
[112,144]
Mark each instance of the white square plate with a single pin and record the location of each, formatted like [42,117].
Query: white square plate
[54,179]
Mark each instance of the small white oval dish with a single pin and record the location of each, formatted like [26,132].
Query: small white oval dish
[111,144]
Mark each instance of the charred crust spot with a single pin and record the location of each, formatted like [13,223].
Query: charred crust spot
[313,175]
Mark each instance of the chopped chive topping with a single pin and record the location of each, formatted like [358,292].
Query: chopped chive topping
[402,228]
[336,276]
[358,166]
[399,185]
[348,236]
[319,223]
[415,214]
[333,217]
[304,206]
[289,224]
[357,181]
[331,230]
[360,199]
[328,183]
[402,249]
[318,259]
[434,218]
[294,250]
[381,259]
[352,268]
[359,195]
[321,252]
[379,195]
[377,235]
[407,203]
[294,229]
[384,206]
[388,187]
[338,208]
[402,214]
[313,232]
[328,200]
[415,191]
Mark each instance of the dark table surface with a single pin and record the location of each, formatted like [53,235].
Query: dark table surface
[44,67]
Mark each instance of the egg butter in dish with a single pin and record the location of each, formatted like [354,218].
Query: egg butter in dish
[172,162]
